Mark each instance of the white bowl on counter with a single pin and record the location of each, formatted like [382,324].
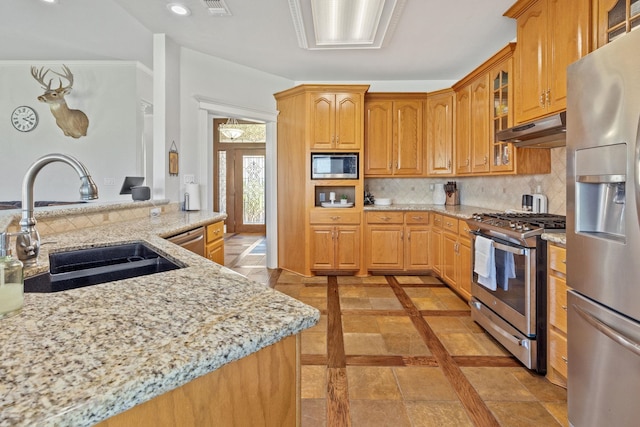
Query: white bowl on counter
[382,202]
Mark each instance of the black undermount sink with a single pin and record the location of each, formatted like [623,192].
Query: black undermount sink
[85,267]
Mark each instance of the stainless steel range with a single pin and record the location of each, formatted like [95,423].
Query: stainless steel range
[512,308]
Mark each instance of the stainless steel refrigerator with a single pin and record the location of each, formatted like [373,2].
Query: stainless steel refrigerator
[603,235]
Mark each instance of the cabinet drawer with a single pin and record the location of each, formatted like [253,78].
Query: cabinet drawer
[215,231]
[558,352]
[463,231]
[319,217]
[450,224]
[558,303]
[385,218]
[558,259]
[437,220]
[416,218]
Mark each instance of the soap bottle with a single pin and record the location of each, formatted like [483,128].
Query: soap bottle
[11,280]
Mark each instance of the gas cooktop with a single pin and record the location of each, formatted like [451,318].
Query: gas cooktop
[518,227]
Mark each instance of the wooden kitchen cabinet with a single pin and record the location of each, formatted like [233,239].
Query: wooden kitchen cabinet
[440,132]
[435,245]
[309,115]
[472,126]
[501,76]
[557,314]
[394,138]
[397,241]
[335,241]
[336,121]
[214,248]
[456,256]
[551,35]
[615,18]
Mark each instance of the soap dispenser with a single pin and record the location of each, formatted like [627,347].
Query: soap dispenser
[11,279]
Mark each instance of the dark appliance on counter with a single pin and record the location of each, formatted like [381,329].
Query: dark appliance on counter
[514,309]
[603,235]
[334,165]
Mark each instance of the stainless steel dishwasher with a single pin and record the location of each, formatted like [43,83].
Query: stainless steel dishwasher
[192,240]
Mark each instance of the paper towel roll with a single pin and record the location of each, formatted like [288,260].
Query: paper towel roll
[192,197]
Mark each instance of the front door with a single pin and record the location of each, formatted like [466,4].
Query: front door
[240,178]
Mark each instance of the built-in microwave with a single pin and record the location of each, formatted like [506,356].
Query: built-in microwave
[334,166]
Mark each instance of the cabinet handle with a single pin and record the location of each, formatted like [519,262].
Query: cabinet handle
[548,96]
[541,100]
[564,307]
[449,164]
[564,261]
[402,235]
[396,165]
[485,160]
[385,218]
[338,140]
[408,235]
[390,165]
[335,218]
[564,359]
[417,218]
[467,162]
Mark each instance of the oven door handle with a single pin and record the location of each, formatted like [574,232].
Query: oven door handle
[522,343]
[506,248]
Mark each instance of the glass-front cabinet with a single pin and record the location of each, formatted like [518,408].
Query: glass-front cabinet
[502,115]
[616,18]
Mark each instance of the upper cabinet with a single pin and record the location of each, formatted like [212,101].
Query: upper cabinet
[614,18]
[394,137]
[501,81]
[472,126]
[336,121]
[551,35]
[440,132]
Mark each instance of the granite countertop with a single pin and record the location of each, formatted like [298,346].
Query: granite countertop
[560,238]
[459,211]
[77,357]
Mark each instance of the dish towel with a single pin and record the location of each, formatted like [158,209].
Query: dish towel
[485,265]
[505,269]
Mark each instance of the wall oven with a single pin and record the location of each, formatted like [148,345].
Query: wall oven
[513,311]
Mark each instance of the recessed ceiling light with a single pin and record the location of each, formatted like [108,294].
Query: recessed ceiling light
[50,1]
[179,9]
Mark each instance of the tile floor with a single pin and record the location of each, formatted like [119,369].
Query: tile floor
[401,351]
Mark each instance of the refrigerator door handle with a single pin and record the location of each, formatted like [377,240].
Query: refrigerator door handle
[625,342]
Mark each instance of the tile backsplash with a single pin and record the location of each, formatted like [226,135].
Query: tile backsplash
[493,192]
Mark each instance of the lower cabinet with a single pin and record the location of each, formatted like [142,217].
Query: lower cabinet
[557,315]
[397,241]
[261,389]
[214,249]
[456,256]
[335,241]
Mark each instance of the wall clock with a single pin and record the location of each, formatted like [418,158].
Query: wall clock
[24,118]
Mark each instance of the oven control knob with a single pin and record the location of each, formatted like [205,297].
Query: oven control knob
[518,226]
[525,227]
[512,224]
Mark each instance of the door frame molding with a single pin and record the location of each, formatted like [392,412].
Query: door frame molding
[208,109]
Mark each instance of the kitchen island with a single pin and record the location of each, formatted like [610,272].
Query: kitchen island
[78,357]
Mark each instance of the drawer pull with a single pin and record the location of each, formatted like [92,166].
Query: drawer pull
[335,218]
[385,218]
[417,218]
[564,307]
[564,359]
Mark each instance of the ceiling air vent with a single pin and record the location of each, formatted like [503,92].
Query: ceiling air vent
[217,7]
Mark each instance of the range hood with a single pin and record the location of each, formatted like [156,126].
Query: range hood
[547,132]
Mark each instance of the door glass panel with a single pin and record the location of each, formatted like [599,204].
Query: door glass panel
[222,181]
[635,24]
[617,33]
[635,8]
[253,189]
[618,14]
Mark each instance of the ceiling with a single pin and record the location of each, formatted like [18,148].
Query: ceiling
[433,39]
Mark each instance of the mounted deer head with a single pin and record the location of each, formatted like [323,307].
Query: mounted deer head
[74,123]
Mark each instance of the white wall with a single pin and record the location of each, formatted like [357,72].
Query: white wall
[72,30]
[108,93]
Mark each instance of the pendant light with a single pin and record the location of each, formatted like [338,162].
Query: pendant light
[230,129]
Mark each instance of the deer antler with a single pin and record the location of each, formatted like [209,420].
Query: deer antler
[67,75]
[39,76]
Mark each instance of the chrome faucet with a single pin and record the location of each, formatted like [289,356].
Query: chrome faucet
[28,243]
